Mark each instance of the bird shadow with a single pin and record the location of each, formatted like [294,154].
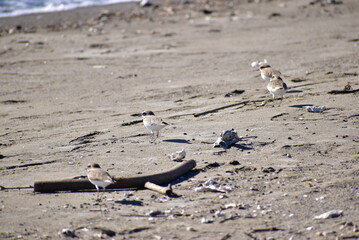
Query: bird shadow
[177,141]
[294,91]
[300,105]
[235,145]
[242,147]
[130,202]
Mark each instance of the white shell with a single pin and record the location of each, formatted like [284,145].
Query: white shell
[258,63]
[177,156]
[315,109]
[228,137]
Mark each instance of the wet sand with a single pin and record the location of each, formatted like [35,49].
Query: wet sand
[89,71]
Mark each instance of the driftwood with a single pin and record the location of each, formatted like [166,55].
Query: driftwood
[343,91]
[224,107]
[163,190]
[121,183]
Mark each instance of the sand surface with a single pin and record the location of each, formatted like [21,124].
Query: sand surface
[88,71]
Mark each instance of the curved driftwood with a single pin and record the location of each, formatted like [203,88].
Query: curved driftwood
[125,182]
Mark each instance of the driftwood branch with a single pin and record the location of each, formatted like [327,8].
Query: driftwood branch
[121,183]
[224,107]
[343,91]
[27,165]
[163,190]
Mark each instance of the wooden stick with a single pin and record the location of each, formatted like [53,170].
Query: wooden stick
[226,106]
[163,190]
[343,91]
[121,183]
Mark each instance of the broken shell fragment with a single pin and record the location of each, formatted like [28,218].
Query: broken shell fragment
[329,214]
[228,138]
[177,156]
[258,63]
[315,109]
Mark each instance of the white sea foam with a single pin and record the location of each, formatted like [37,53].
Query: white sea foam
[10,8]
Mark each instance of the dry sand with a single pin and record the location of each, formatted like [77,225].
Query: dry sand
[66,75]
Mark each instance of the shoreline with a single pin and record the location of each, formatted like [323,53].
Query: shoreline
[61,20]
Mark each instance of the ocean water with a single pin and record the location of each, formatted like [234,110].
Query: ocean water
[10,8]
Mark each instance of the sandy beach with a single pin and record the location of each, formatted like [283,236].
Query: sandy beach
[74,83]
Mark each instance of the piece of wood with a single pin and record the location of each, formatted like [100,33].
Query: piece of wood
[343,91]
[121,183]
[163,190]
[226,106]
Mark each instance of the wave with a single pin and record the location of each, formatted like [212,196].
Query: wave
[11,8]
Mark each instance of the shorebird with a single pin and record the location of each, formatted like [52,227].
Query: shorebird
[98,177]
[153,123]
[277,87]
[267,72]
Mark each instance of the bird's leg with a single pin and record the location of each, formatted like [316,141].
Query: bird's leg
[152,138]
[281,101]
[103,193]
[273,100]
[155,136]
[97,192]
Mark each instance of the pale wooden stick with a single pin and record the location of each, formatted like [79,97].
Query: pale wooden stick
[163,190]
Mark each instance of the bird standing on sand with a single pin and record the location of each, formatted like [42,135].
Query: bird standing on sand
[98,176]
[153,123]
[267,72]
[277,87]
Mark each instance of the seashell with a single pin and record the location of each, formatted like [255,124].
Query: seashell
[315,109]
[228,138]
[177,156]
[330,214]
[258,63]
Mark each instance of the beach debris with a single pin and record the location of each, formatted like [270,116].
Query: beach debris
[99,66]
[323,2]
[343,91]
[228,138]
[347,87]
[101,233]
[329,214]
[274,14]
[155,213]
[257,64]
[315,109]
[269,229]
[163,190]
[310,228]
[145,3]
[68,233]
[206,220]
[230,205]
[234,163]
[191,229]
[268,170]
[296,80]
[211,165]
[239,104]
[212,185]
[177,156]
[234,92]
